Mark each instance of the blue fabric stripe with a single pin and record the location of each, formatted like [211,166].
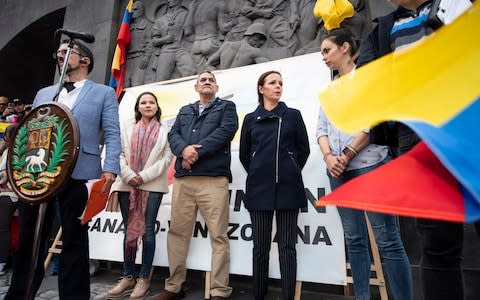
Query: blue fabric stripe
[472,208]
[416,22]
[456,145]
[127,17]
[128,14]
[113,82]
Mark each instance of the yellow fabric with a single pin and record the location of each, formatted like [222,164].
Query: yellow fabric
[333,12]
[4,126]
[430,81]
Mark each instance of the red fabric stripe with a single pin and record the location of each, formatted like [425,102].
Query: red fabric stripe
[415,184]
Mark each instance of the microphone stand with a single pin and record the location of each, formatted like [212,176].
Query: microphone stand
[63,72]
[43,206]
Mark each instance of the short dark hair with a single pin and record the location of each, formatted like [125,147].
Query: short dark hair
[342,35]
[84,52]
[261,82]
[138,115]
[208,72]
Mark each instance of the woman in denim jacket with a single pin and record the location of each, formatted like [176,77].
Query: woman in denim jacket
[346,157]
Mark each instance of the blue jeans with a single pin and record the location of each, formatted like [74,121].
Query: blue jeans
[148,250]
[388,240]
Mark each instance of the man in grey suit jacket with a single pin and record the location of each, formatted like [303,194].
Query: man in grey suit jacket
[95,109]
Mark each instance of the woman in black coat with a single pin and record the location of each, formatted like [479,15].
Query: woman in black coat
[273,150]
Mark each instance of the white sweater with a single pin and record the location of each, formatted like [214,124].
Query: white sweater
[155,172]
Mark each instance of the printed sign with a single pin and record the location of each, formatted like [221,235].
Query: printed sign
[320,243]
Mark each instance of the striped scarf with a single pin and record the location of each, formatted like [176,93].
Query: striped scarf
[144,137]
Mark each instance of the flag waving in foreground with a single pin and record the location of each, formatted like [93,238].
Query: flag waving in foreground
[119,58]
[435,92]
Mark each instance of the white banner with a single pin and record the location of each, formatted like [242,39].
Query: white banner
[320,243]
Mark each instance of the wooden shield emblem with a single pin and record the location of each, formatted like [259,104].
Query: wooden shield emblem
[43,152]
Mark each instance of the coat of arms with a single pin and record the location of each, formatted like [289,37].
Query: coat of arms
[43,148]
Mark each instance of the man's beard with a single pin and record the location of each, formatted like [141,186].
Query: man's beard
[70,69]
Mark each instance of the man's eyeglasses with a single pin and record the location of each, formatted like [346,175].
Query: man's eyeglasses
[62,53]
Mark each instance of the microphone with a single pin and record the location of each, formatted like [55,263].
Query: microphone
[86,37]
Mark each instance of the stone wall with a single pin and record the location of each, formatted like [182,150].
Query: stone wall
[26,42]
[167,42]
[180,38]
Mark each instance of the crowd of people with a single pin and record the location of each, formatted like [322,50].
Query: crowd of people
[8,202]
[274,148]
[11,112]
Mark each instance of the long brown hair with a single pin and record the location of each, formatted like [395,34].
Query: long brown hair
[261,82]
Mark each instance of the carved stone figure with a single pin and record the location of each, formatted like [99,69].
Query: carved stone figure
[139,50]
[281,19]
[169,52]
[314,45]
[203,23]
[249,51]
[308,28]
[241,53]
[233,23]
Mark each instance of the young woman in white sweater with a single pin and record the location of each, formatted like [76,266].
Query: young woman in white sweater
[144,163]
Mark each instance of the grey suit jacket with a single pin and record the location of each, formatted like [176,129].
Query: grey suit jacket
[96,110]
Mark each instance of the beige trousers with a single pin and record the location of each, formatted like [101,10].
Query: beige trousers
[210,195]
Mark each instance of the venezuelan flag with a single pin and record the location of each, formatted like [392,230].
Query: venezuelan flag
[119,58]
[436,92]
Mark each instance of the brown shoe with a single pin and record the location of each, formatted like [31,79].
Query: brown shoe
[122,288]
[218,298]
[141,289]
[167,295]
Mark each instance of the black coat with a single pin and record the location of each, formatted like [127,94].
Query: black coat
[214,129]
[273,150]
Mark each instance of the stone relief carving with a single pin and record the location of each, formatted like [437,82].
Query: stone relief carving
[170,54]
[241,53]
[203,23]
[309,25]
[233,23]
[138,53]
[177,38]
[281,19]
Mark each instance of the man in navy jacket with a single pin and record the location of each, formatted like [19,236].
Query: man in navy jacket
[200,138]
